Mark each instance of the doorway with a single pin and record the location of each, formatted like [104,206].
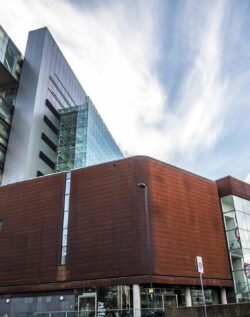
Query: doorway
[170,300]
[87,304]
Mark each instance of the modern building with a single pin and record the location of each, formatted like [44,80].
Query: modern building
[83,138]
[120,236]
[55,125]
[10,69]
[235,202]
[117,237]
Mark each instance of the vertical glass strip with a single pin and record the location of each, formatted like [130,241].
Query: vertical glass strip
[64,237]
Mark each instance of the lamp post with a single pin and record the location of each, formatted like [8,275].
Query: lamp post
[148,232]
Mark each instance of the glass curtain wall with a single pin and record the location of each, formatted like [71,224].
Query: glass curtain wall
[174,296]
[84,139]
[71,152]
[10,56]
[120,298]
[236,213]
[101,145]
[6,113]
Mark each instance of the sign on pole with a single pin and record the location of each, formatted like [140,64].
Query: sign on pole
[200,269]
[199,264]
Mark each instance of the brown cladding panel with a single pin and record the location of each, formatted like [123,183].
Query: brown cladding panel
[107,242]
[187,222]
[30,238]
[107,225]
[232,186]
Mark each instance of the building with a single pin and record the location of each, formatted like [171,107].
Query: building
[235,202]
[83,139]
[116,238]
[10,69]
[46,99]
[119,236]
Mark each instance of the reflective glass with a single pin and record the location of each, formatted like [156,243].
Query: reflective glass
[238,203]
[227,203]
[63,255]
[247,217]
[10,56]
[65,219]
[67,187]
[101,146]
[246,205]
[65,238]
[230,220]
[6,112]
[238,239]
[241,220]
[72,139]
[246,254]
[66,203]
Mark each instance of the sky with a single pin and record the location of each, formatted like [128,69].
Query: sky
[171,78]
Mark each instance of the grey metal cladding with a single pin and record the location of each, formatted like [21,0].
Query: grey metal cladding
[43,59]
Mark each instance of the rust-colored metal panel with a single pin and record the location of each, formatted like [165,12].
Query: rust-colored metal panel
[107,236]
[186,222]
[233,186]
[107,224]
[31,212]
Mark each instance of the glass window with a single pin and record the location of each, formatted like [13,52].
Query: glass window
[66,203]
[246,254]
[65,237]
[67,187]
[238,203]
[244,237]
[65,219]
[247,217]
[230,221]
[246,205]
[241,220]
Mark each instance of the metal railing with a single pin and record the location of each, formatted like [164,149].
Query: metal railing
[100,313]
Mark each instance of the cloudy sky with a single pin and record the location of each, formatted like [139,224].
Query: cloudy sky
[171,78]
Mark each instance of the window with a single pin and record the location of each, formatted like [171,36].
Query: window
[64,238]
[52,127]
[46,160]
[38,173]
[48,142]
[52,108]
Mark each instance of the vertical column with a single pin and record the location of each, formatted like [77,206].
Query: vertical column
[223,296]
[188,299]
[137,300]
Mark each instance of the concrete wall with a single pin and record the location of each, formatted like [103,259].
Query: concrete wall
[230,310]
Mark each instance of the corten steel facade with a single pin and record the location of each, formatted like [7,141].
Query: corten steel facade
[186,222]
[232,186]
[107,230]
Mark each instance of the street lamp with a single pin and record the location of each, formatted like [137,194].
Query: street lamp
[148,231]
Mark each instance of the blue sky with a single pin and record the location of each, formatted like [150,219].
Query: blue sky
[171,78]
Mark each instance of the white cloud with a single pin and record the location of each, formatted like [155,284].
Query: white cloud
[247,179]
[114,49]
